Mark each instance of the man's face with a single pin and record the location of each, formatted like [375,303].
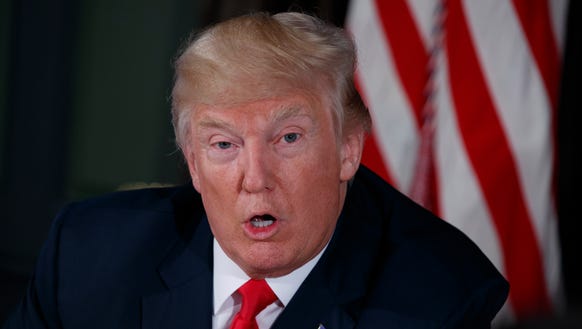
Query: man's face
[272,174]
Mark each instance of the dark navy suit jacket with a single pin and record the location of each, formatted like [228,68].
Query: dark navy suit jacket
[143,259]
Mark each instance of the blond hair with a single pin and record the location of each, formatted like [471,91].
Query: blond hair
[258,56]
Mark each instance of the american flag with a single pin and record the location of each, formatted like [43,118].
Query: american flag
[463,96]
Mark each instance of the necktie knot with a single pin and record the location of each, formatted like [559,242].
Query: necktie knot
[256,295]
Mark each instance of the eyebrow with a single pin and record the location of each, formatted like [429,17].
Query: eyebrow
[208,122]
[289,111]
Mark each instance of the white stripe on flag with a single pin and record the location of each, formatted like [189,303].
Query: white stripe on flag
[423,15]
[381,88]
[525,112]
[462,203]
[558,15]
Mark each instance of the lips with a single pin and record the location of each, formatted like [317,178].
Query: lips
[261,227]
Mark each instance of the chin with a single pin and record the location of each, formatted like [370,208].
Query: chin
[268,266]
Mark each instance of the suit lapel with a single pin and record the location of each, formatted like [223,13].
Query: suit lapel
[314,304]
[187,274]
[187,306]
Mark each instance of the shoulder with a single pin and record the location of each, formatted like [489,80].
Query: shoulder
[131,207]
[426,268]
[131,227]
[115,223]
[128,227]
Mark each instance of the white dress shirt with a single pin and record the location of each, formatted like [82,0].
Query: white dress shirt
[228,277]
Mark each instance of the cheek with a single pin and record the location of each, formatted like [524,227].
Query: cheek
[212,179]
[216,189]
[221,229]
[316,196]
[222,219]
[314,178]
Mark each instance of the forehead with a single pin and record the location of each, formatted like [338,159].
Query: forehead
[277,109]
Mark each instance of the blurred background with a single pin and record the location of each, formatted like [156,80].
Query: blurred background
[84,110]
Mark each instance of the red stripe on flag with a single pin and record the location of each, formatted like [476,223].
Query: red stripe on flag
[371,156]
[411,59]
[535,21]
[534,16]
[410,55]
[490,155]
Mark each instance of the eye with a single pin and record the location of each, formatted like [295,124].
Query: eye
[291,137]
[223,145]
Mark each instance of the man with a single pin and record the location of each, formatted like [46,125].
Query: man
[272,129]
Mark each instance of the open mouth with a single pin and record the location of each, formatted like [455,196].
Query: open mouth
[262,221]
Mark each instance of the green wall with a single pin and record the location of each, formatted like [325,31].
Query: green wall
[111,99]
[121,132]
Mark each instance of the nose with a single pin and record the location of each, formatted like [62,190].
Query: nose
[257,169]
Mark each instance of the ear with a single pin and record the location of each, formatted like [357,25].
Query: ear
[351,153]
[192,168]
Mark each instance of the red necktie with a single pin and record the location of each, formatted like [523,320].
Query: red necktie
[256,295]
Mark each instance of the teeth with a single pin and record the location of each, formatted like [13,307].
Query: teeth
[260,222]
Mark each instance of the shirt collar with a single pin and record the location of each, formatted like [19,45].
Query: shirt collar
[228,277]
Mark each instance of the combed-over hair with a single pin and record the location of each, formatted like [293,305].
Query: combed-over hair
[259,56]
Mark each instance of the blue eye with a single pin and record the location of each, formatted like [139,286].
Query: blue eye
[291,138]
[223,145]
